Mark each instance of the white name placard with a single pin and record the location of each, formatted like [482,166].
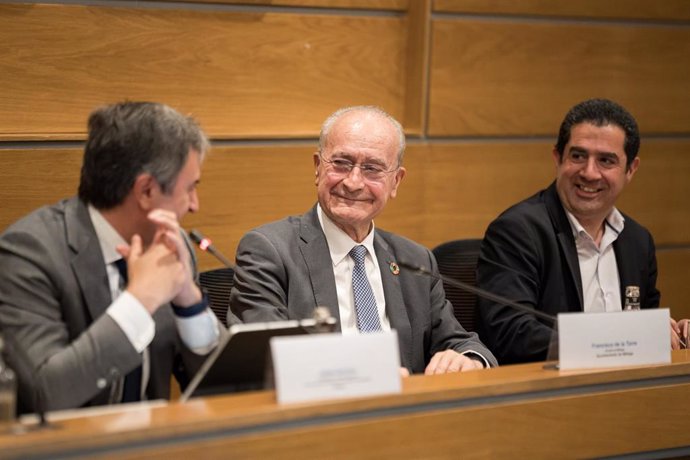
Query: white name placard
[332,366]
[626,338]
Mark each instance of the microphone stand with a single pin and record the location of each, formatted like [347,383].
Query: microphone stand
[552,353]
[480,292]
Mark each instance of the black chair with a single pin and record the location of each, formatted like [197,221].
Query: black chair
[458,260]
[218,284]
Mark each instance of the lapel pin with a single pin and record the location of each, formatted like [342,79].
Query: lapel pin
[394,268]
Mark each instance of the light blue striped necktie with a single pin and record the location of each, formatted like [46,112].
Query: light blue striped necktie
[365,303]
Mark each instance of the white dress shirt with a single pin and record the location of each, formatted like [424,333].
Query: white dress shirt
[598,267]
[339,245]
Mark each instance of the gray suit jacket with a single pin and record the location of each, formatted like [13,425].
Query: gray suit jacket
[53,295]
[284,271]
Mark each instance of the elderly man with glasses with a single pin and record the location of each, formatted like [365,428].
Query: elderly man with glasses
[334,256]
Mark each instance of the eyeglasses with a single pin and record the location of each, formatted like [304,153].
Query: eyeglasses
[370,171]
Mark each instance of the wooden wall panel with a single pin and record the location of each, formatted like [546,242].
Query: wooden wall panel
[673,10]
[659,195]
[417,64]
[673,280]
[466,185]
[501,77]
[31,178]
[241,74]
[358,4]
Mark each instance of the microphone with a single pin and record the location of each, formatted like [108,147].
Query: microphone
[479,292]
[206,245]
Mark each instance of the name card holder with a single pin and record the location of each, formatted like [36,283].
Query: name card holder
[333,366]
[627,338]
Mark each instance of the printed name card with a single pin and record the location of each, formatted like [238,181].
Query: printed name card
[626,338]
[333,366]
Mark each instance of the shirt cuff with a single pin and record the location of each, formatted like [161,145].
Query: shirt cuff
[201,332]
[474,355]
[134,320]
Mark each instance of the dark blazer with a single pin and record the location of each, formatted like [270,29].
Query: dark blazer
[529,255]
[53,294]
[284,271]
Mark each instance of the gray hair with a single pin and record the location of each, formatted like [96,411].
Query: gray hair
[369,109]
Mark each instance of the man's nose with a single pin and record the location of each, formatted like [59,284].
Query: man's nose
[354,179]
[590,170]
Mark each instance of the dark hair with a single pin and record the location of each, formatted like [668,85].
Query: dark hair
[131,138]
[601,112]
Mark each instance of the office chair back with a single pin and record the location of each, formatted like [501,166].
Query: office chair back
[458,260]
[218,284]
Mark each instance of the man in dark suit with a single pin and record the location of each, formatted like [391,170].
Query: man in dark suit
[287,268]
[97,294]
[568,248]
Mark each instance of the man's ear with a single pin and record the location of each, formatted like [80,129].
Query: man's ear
[317,162]
[556,157]
[632,170]
[399,175]
[146,191]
